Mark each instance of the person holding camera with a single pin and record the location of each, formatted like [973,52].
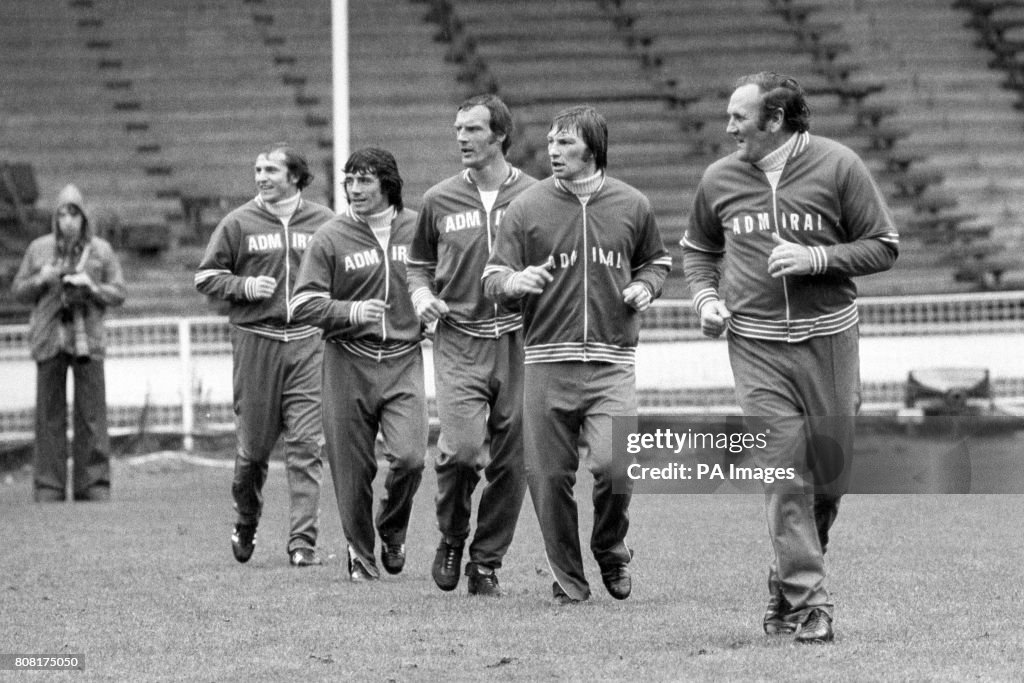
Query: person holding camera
[71,276]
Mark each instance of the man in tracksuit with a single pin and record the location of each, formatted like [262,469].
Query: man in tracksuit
[478,348]
[582,252]
[250,264]
[352,284]
[777,230]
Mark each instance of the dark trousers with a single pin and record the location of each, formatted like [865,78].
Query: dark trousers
[479,393]
[91,447]
[277,390]
[808,394]
[567,415]
[364,397]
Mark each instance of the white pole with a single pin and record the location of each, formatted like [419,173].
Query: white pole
[339,66]
[187,411]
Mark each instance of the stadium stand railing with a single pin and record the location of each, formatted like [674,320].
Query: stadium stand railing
[180,341]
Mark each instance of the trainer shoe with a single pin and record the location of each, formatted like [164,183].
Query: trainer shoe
[48,495]
[817,628]
[392,556]
[617,579]
[776,616]
[94,494]
[561,597]
[482,580]
[447,563]
[357,573]
[304,557]
[243,541]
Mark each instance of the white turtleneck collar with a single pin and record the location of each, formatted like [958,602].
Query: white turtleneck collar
[380,224]
[773,163]
[284,209]
[583,188]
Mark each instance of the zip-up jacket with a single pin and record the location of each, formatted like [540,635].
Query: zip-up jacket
[593,252]
[249,242]
[825,200]
[454,238]
[345,264]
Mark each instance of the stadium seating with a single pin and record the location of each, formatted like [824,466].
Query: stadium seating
[957,117]
[155,108]
[660,71]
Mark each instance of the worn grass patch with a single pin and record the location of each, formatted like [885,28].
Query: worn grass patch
[926,587]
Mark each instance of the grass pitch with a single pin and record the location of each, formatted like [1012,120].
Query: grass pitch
[145,586]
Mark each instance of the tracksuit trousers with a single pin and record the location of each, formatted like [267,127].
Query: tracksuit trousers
[364,396]
[277,389]
[567,414]
[479,393]
[808,393]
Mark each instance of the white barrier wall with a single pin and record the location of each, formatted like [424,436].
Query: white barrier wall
[176,373]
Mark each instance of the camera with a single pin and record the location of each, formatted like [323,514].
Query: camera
[73,299]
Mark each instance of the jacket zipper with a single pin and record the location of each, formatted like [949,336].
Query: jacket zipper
[775,217]
[586,284]
[287,275]
[387,294]
[490,248]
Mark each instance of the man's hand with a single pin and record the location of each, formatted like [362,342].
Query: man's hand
[262,287]
[637,296]
[713,318]
[530,280]
[428,310]
[369,311]
[788,258]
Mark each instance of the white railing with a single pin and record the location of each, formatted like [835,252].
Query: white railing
[179,345]
[667,320]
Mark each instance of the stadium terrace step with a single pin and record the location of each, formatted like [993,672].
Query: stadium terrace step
[594,92]
[657,175]
[712,22]
[987,271]
[986,7]
[623,73]
[935,227]
[772,47]
[543,33]
[526,10]
[913,182]
[597,48]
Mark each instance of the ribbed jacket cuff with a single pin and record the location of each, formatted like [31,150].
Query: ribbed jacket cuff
[356,313]
[819,260]
[702,297]
[421,298]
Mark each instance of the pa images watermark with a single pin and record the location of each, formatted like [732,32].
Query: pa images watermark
[823,455]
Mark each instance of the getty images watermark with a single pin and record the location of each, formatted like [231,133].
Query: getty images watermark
[743,454]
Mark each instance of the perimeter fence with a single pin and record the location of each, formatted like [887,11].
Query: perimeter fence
[178,342]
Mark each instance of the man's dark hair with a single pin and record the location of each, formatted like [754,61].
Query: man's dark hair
[592,128]
[780,93]
[294,161]
[501,117]
[380,163]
